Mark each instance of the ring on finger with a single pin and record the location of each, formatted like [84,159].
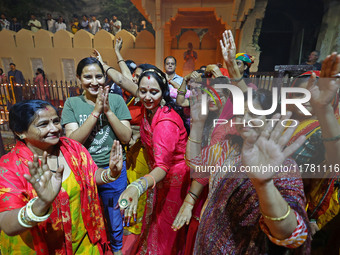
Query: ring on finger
[123,203]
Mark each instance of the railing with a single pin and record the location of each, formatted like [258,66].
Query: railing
[54,92]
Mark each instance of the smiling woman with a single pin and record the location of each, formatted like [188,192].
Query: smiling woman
[36,215]
[96,119]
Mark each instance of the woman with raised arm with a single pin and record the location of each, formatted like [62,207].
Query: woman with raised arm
[48,187]
[164,136]
[96,119]
[320,151]
[250,212]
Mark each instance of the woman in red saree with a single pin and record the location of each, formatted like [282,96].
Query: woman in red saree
[48,187]
[164,136]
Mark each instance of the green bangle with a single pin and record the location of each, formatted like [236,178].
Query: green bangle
[334,138]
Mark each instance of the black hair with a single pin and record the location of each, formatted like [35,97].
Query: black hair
[1,71]
[22,114]
[160,77]
[146,67]
[39,70]
[12,64]
[88,61]
[170,57]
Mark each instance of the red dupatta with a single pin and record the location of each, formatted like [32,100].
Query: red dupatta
[15,192]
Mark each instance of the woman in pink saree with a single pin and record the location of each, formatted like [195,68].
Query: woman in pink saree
[164,136]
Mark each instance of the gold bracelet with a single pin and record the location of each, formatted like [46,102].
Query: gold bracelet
[279,218]
[194,141]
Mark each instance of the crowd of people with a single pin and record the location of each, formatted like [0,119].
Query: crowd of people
[126,177]
[89,23]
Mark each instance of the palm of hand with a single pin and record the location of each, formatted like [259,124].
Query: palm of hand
[195,108]
[264,153]
[45,184]
[50,190]
[324,94]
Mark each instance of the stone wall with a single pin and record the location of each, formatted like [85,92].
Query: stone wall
[329,37]
[58,54]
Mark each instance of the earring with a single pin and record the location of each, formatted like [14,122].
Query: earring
[21,137]
[137,99]
[162,103]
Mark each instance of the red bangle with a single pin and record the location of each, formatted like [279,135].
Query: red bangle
[154,181]
[188,203]
[97,117]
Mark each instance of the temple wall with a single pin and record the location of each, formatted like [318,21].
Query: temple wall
[58,54]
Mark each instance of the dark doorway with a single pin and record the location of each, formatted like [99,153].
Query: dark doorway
[289,32]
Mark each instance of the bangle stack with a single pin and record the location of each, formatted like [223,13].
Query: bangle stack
[27,218]
[279,218]
[106,176]
[138,184]
[193,196]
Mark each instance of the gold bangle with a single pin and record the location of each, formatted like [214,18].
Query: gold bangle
[279,218]
[194,141]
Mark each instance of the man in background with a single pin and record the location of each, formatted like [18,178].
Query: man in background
[34,24]
[94,25]
[50,23]
[15,25]
[60,25]
[116,25]
[312,60]
[16,78]
[4,23]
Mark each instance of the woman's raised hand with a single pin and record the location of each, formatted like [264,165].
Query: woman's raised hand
[324,90]
[46,184]
[116,159]
[105,98]
[196,104]
[269,149]
[97,55]
[99,106]
[228,46]
[118,44]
